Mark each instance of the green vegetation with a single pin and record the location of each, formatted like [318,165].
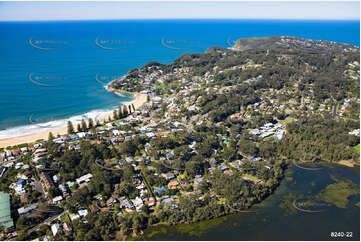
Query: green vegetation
[288,120]
[215,138]
[357,148]
[339,192]
[317,138]
[287,203]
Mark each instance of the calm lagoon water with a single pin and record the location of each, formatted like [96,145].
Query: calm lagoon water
[273,220]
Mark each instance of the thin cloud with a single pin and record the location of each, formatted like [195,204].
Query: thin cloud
[42,11]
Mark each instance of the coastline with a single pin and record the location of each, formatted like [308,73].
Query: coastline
[139,100]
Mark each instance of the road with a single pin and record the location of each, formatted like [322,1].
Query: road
[46,221]
[39,187]
[335,110]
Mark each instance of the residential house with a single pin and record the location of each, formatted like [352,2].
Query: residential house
[57,199]
[268,166]
[169,155]
[16,152]
[125,203]
[63,189]
[168,176]
[56,178]
[93,208]
[46,180]
[173,184]
[138,203]
[27,209]
[82,212]
[55,228]
[67,227]
[111,201]
[150,203]
[84,179]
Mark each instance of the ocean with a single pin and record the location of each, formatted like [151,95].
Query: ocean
[52,72]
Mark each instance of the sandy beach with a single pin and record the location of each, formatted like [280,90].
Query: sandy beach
[139,100]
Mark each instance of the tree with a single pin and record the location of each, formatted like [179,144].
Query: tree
[51,136]
[83,125]
[128,148]
[70,127]
[247,146]
[78,128]
[90,123]
[195,166]
[115,115]
[120,112]
[123,189]
[125,111]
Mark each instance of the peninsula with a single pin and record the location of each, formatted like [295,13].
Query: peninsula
[212,135]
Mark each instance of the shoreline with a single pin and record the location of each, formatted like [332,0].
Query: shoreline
[139,100]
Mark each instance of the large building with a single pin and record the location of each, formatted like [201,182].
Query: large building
[47,182]
[5,212]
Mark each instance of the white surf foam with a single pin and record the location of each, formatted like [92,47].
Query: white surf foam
[54,124]
[98,114]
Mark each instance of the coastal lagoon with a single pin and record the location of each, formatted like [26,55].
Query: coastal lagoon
[55,71]
[304,207]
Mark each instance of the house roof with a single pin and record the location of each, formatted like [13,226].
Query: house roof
[173,183]
[150,202]
[93,208]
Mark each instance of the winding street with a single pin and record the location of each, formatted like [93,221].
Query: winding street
[46,221]
[335,110]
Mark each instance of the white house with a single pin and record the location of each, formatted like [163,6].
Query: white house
[81,134]
[85,178]
[55,228]
[56,178]
[82,212]
[57,199]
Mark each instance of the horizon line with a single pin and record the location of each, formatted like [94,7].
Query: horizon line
[135,19]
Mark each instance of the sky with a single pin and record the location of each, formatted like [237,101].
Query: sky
[49,11]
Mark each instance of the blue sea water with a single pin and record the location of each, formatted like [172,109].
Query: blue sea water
[54,71]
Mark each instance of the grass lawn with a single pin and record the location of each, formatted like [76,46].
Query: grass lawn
[65,218]
[269,138]
[288,120]
[250,177]
[357,148]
